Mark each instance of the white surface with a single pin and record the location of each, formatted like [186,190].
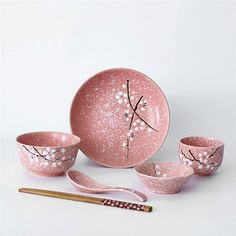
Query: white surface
[50,48]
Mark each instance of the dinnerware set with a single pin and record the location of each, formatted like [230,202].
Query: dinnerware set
[119,118]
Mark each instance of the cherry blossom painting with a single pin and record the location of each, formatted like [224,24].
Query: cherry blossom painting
[132,114]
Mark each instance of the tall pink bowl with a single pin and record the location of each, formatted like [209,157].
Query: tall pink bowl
[204,154]
[48,153]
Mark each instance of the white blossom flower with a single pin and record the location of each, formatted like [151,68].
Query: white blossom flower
[190,162]
[46,163]
[59,163]
[142,109]
[54,164]
[123,144]
[123,86]
[200,167]
[200,154]
[45,152]
[120,93]
[149,130]
[63,150]
[52,150]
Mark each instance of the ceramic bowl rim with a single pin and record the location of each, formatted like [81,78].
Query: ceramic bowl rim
[165,178]
[221,143]
[47,132]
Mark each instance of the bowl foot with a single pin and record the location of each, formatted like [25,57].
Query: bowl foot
[43,174]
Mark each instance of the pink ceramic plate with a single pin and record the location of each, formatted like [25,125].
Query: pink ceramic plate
[122,117]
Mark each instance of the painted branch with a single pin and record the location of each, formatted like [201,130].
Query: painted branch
[135,110]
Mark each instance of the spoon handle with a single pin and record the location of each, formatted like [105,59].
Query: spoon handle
[133,192]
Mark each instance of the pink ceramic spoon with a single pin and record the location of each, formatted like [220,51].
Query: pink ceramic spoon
[88,185]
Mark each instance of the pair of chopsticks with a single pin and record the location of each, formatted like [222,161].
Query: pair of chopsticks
[88,199]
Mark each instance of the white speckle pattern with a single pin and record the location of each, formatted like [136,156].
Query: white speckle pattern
[109,123]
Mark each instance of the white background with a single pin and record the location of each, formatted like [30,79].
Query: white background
[49,48]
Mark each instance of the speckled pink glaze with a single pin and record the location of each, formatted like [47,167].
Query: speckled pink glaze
[164,177]
[122,117]
[88,185]
[204,154]
[48,153]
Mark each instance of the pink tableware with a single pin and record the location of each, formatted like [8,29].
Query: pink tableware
[116,113]
[48,153]
[164,177]
[204,154]
[88,185]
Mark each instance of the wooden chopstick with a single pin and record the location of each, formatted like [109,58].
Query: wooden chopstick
[88,199]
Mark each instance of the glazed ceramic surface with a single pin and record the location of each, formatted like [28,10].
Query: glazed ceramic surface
[205,155]
[164,177]
[122,117]
[48,153]
[88,185]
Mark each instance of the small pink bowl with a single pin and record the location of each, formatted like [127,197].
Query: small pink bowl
[48,153]
[164,177]
[205,155]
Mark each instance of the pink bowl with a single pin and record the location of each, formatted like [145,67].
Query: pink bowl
[164,177]
[205,155]
[48,153]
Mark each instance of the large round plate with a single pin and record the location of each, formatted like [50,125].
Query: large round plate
[121,116]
